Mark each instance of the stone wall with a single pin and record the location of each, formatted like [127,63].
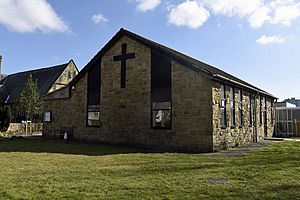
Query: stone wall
[66,76]
[235,136]
[67,113]
[125,114]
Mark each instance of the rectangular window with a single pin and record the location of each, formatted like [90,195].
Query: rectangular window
[93,96]
[272,110]
[47,117]
[232,107]
[161,115]
[240,107]
[93,115]
[265,112]
[223,106]
[161,106]
[250,110]
[260,110]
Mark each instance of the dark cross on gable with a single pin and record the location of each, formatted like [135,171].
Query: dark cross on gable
[123,57]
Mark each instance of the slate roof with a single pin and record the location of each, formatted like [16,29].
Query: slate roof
[13,84]
[187,61]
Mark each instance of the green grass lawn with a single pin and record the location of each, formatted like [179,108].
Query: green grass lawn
[44,169]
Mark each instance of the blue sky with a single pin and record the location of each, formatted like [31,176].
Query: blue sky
[256,40]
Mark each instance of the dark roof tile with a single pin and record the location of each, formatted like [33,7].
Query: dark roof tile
[13,84]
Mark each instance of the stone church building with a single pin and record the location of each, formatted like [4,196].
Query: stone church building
[140,93]
[48,80]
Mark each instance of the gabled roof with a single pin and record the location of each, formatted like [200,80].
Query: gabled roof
[13,84]
[185,60]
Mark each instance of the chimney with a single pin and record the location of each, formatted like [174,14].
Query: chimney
[0,67]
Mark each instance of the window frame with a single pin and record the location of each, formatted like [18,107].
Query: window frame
[250,109]
[260,110]
[92,71]
[240,108]
[87,116]
[50,117]
[164,109]
[272,109]
[232,107]
[265,112]
[223,107]
[157,59]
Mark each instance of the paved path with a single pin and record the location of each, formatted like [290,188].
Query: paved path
[242,150]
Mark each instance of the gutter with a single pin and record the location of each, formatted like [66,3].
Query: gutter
[220,77]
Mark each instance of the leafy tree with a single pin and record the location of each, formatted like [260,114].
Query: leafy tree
[29,100]
[5,117]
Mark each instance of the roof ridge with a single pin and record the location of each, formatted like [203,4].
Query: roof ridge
[182,58]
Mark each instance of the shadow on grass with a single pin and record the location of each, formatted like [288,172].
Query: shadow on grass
[41,145]
[285,191]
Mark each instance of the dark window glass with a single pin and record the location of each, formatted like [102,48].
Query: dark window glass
[260,110]
[69,75]
[240,107]
[265,112]
[232,107]
[161,107]
[250,109]
[93,107]
[223,106]
[272,110]
[289,117]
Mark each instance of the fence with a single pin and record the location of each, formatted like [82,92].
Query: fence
[21,128]
[297,128]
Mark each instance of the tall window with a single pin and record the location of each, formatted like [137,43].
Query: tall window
[232,107]
[272,109]
[223,106]
[161,108]
[260,110]
[240,107]
[250,109]
[93,96]
[265,112]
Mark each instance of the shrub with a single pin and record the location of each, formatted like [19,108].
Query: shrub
[5,117]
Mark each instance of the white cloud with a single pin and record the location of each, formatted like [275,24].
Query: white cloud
[285,12]
[276,12]
[147,5]
[99,18]
[259,17]
[257,12]
[232,7]
[270,40]
[29,16]
[188,13]
[194,13]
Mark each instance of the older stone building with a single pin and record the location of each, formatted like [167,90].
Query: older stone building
[48,79]
[140,93]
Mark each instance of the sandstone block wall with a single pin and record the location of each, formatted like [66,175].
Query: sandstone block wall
[125,114]
[67,75]
[235,136]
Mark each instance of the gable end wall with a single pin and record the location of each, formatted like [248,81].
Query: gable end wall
[125,113]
